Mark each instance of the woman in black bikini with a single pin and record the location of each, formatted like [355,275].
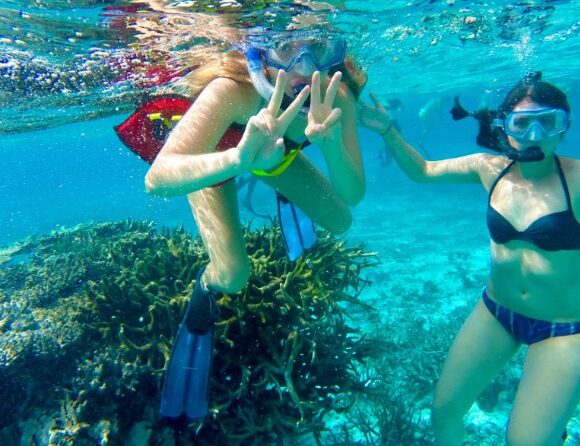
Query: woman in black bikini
[532,293]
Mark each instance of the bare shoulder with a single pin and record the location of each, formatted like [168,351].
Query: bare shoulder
[221,103]
[489,167]
[237,100]
[230,86]
[570,165]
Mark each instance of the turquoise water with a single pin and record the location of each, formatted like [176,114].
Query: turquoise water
[62,90]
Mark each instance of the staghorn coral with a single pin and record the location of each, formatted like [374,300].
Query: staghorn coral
[94,310]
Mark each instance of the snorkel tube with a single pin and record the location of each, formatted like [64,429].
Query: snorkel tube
[527,155]
[261,83]
[257,75]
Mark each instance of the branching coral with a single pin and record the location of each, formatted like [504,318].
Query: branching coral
[88,317]
[285,354]
[284,348]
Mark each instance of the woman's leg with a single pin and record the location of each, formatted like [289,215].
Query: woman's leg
[216,213]
[548,394]
[480,350]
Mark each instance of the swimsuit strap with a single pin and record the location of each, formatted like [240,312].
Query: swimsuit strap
[499,177]
[564,183]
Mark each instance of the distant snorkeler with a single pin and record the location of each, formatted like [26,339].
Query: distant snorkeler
[532,292]
[429,114]
[252,110]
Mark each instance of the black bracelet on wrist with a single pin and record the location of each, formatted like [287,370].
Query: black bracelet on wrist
[388,130]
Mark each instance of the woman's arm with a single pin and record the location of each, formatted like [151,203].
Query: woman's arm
[188,161]
[334,130]
[465,169]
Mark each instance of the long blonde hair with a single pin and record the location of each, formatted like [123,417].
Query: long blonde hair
[230,65]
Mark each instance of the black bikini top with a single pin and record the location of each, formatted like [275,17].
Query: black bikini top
[554,232]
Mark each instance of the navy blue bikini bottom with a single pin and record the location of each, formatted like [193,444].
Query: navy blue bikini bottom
[526,329]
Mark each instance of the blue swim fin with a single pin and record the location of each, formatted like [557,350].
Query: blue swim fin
[297,228]
[186,387]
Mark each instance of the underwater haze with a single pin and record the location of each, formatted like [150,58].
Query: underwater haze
[70,71]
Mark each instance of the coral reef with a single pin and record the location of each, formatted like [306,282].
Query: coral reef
[87,318]
[88,315]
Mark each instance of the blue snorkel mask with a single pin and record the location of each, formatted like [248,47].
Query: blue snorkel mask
[533,126]
[284,50]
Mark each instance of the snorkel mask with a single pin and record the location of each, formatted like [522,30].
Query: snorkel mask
[284,50]
[323,50]
[531,125]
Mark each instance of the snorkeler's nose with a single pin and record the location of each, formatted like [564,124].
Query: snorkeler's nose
[535,133]
[305,65]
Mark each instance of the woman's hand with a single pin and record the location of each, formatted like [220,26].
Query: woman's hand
[262,144]
[323,120]
[375,117]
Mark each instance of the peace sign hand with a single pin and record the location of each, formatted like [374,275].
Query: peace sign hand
[323,120]
[262,144]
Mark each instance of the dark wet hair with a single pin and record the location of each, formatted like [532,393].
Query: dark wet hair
[532,86]
[488,135]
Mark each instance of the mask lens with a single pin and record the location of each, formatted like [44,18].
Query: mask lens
[562,122]
[324,52]
[279,57]
[551,122]
[328,53]
[548,121]
[519,123]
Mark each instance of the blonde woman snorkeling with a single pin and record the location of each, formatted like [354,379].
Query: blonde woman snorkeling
[532,292]
[251,114]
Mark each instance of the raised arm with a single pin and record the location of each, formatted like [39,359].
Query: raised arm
[332,125]
[188,161]
[466,169]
